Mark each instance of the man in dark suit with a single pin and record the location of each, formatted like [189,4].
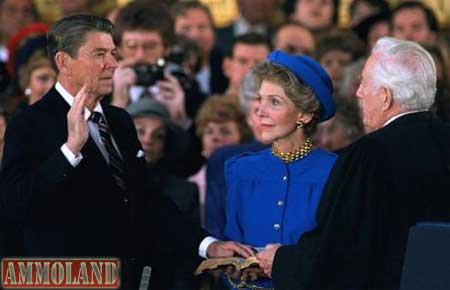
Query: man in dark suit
[74,182]
[380,186]
[71,181]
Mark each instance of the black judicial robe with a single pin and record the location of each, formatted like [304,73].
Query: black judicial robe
[380,186]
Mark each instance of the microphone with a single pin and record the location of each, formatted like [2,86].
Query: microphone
[145,278]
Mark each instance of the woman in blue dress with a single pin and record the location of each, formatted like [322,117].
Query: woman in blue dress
[272,195]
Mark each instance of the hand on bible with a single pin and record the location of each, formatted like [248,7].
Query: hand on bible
[228,249]
[265,258]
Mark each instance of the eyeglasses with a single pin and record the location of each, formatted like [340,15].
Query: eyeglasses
[146,46]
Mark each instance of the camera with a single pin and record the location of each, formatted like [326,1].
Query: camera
[148,74]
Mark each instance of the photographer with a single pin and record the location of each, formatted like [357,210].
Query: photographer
[144,45]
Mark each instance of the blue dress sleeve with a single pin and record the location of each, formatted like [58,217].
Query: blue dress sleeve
[215,196]
[233,231]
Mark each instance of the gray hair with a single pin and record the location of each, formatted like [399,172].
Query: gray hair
[248,91]
[407,69]
[69,33]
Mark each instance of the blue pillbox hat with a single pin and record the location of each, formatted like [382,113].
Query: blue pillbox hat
[311,73]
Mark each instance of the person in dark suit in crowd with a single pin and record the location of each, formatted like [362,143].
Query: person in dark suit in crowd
[194,20]
[381,185]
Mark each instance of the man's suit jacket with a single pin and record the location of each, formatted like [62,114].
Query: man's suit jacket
[380,186]
[80,211]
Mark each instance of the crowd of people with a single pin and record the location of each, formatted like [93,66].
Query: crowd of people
[156,137]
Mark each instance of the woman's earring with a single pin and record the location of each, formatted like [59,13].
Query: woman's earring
[300,124]
[27,92]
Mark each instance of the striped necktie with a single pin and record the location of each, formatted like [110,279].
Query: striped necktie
[115,161]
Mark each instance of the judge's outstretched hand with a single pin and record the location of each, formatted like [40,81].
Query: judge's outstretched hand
[77,129]
[265,258]
[228,249]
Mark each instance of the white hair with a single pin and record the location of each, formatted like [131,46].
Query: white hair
[248,91]
[407,69]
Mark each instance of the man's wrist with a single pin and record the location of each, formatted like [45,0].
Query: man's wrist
[73,147]
[73,159]
[203,247]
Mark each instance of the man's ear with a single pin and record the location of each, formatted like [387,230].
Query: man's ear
[226,66]
[62,61]
[388,99]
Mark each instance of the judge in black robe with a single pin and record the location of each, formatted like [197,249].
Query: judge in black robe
[380,187]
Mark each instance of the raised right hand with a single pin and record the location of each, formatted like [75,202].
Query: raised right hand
[77,128]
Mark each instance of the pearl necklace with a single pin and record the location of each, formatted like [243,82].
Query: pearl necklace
[297,154]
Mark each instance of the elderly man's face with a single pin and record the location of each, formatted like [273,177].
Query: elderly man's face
[370,98]
[94,64]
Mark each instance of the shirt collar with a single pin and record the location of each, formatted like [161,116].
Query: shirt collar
[69,99]
[400,115]
[242,26]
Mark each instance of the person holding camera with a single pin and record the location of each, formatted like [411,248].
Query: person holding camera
[145,39]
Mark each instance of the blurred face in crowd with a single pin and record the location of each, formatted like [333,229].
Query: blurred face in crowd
[195,24]
[73,6]
[142,46]
[331,135]
[370,98]
[41,80]
[152,134]
[411,24]
[334,63]
[277,113]
[14,14]
[94,64]
[314,14]
[245,56]
[217,134]
[294,39]
[264,10]
[377,31]
[361,11]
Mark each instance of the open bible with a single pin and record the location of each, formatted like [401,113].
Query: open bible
[238,262]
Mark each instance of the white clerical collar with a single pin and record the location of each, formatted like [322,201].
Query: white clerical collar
[400,115]
[69,99]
